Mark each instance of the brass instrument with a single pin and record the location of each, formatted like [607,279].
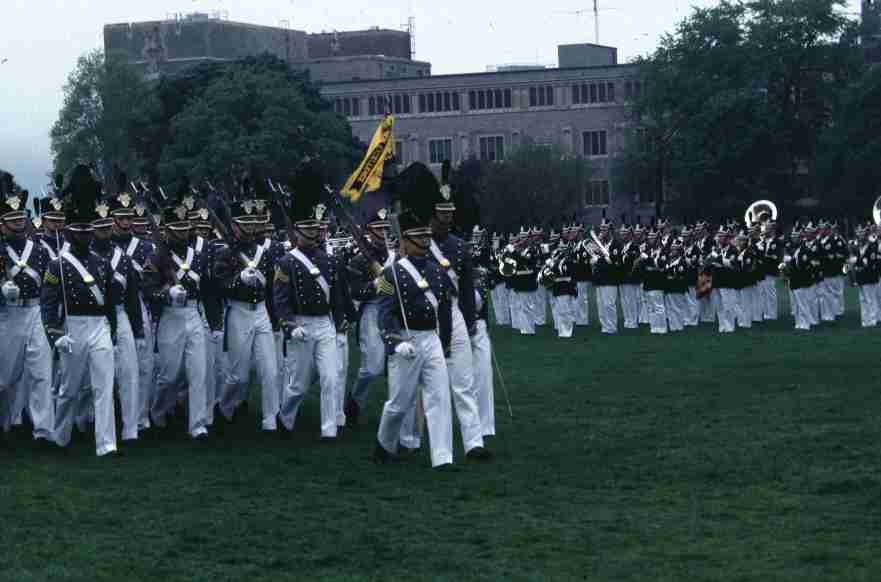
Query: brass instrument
[876,211]
[755,210]
[508,261]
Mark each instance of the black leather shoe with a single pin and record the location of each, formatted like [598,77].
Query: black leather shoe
[479,454]
[381,456]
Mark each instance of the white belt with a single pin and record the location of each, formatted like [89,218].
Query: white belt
[35,302]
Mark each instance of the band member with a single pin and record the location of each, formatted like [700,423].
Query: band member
[629,289]
[26,358]
[80,317]
[865,264]
[501,296]
[653,263]
[676,292]
[723,262]
[606,277]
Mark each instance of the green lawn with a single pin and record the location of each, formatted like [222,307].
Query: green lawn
[755,456]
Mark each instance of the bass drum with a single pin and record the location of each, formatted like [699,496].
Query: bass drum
[704,285]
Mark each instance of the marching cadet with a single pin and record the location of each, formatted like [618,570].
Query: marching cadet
[653,264]
[629,288]
[865,264]
[606,276]
[26,358]
[451,254]
[556,275]
[481,344]
[709,301]
[770,254]
[640,236]
[692,258]
[840,250]
[415,318]
[308,293]
[800,265]
[362,272]
[125,298]
[583,277]
[343,321]
[543,252]
[745,268]
[127,212]
[500,285]
[677,272]
[81,318]
[244,273]
[723,262]
[173,282]
[52,220]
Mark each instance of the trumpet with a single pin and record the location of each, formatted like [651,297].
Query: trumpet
[508,261]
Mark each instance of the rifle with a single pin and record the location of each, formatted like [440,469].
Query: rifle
[356,229]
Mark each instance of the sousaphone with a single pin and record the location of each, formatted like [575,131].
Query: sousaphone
[757,209]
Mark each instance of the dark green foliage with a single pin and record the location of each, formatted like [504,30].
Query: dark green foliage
[697,457]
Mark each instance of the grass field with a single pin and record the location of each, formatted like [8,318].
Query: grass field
[755,456]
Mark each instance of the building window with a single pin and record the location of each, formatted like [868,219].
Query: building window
[371,106]
[585,93]
[492,148]
[455,102]
[486,99]
[481,99]
[595,143]
[440,150]
[508,98]
[472,100]
[533,97]
[601,88]
[422,103]
[406,103]
[399,152]
[356,107]
[550,92]
[576,94]
[643,140]
[399,105]
[597,193]
[448,102]
[610,91]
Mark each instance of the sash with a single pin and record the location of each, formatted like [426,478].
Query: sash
[445,264]
[185,268]
[418,278]
[314,271]
[20,263]
[114,263]
[200,244]
[86,277]
[255,262]
[52,254]
[130,253]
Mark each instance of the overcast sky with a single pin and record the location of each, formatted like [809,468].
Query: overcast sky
[40,41]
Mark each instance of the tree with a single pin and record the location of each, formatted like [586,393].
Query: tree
[735,102]
[252,114]
[103,100]
[535,185]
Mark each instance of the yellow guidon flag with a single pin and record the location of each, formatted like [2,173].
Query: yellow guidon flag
[368,175]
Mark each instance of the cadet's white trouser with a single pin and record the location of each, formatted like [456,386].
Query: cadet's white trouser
[90,362]
[607,308]
[727,309]
[564,310]
[501,306]
[250,344]
[26,370]
[744,313]
[181,342]
[146,370]
[827,299]
[630,305]
[461,374]
[525,307]
[317,351]
[126,369]
[709,306]
[429,369]
[838,285]
[676,305]
[657,311]
[769,297]
[692,308]
[643,306]
[814,300]
[481,348]
[541,306]
[582,315]
[869,304]
[804,301]
[372,350]
[342,350]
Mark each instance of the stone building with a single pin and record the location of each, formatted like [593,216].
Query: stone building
[580,106]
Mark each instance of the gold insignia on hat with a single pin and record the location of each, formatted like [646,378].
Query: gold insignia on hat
[13,202]
[157,218]
[102,210]
[422,284]
[56,203]
[382,213]
[248,205]
[445,263]
[189,202]
[319,211]
[140,209]
[125,199]
[445,192]
[260,205]
[203,213]
[38,222]
[181,212]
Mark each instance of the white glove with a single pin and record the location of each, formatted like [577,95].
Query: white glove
[406,349]
[11,292]
[250,277]
[298,334]
[64,344]
[177,295]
